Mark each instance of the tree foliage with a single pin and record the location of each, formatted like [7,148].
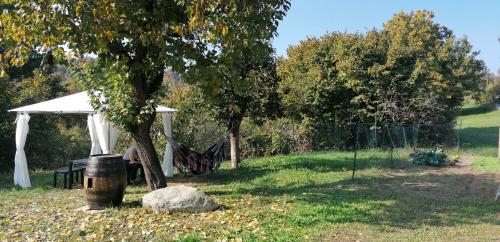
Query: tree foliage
[413,70]
[196,125]
[52,139]
[250,90]
[243,77]
[32,82]
[6,120]
[135,41]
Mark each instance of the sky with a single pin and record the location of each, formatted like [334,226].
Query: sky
[478,20]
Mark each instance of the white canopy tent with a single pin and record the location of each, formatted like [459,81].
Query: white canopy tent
[103,134]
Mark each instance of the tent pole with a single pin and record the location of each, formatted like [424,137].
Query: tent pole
[109,138]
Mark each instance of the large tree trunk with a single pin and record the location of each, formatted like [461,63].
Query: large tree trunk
[234,139]
[144,87]
[152,168]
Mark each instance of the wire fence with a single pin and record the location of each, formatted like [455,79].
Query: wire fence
[288,139]
[281,137]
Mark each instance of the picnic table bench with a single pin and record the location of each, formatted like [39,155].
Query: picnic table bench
[75,170]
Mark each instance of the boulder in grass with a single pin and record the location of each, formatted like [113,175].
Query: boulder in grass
[178,199]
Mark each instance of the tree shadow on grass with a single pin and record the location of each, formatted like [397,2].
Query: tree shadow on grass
[130,204]
[406,201]
[318,164]
[248,172]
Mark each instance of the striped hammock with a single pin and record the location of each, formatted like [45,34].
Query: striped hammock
[188,161]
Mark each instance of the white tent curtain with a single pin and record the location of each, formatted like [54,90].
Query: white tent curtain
[103,135]
[106,133]
[168,159]
[96,148]
[21,174]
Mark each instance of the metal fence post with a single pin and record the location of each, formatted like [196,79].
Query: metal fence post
[389,129]
[415,135]
[459,134]
[356,144]
[499,141]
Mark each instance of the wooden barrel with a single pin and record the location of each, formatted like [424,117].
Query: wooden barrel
[105,181]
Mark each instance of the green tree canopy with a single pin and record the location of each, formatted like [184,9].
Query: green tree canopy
[135,41]
[412,70]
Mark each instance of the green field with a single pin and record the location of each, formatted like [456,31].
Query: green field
[479,136]
[289,198]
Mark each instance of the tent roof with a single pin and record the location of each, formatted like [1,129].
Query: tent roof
[75,103]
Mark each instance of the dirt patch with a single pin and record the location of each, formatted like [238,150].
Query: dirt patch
[459,183]
[341,235]
[465,161]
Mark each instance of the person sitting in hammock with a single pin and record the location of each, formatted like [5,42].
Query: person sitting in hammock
[133,162]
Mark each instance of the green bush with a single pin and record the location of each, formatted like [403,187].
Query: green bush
[272,137]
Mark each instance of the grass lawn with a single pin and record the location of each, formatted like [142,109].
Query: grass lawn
[291,198]
[479,136]
[285,198]
[480,131]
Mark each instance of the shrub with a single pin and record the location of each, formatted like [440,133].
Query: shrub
[434,157]
[279,136]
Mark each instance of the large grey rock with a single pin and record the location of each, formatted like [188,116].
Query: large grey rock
[178,199]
